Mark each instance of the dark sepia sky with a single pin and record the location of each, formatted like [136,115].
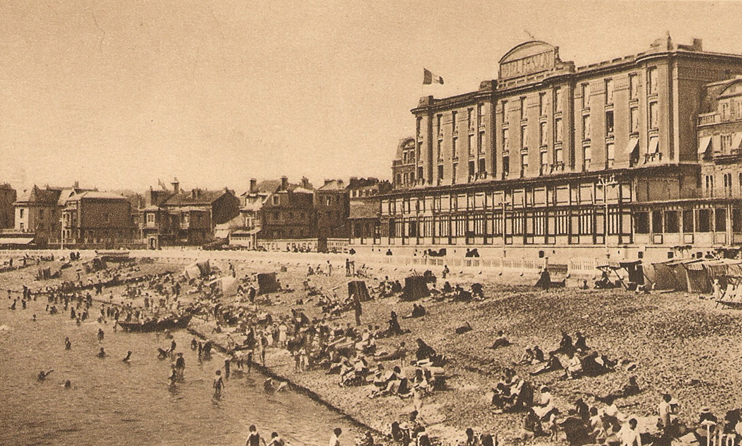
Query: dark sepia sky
[119,94]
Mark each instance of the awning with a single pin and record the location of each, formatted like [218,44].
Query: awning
[736,140]
[16,241]
[633,145]
[703,146]
[654,144]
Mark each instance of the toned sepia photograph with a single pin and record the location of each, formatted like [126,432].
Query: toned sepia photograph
[379,223]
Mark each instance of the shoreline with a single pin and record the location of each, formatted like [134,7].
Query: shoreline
[294,386]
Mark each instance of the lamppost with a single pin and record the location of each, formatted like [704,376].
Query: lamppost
[604,182]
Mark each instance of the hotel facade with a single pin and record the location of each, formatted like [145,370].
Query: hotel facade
[616,160]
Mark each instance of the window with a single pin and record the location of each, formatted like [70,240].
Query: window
[585,95]
[610,155]
[399,178]
[586,157]
[609,91]
[482,167]
[420,173]
[542,133]
[275,200]
[544,163]
[454,123]
[558,129]
[657,222]
[688,221]
[439,119]
[634,117]
[106,217]
[633,86]
[559,156]
[724,111]
[505,117]
[523,164]
[672,223]
[641,223]
[440,172]
[454,153]
[150,217]
[472,167]
[440,150]
[720,220]
[523,114]
[542,104]
[524,137]
[480,114]
[480,142]
[609,123]
[505,166]
[652,81]
[453,173]
[20,213]
[704,220]
[470,148]
[654,118]
[469,120]
[41,214]
[726,144]
[557,100]
[586,127]
[710,185]
[727,184]
[505,140]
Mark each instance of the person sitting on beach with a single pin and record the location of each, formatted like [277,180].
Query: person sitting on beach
[629,434]
[630,389]
[417,311]
[101,353]
[424,351]
[574,366]
[394,328]
[531,427]
[538,355]
[500,341]
[565,344]
[545,404]
[527,357]
[580,343]
[552,364]
[127,358]
[42,375]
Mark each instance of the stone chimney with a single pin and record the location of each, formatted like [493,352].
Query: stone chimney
[697,44]
[284,183]
[176,186]
[253,186]
[305,183]
[76,185]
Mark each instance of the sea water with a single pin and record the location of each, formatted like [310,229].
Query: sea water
[112,402]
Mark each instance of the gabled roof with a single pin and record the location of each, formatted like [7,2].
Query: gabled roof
[333,185]
[48,196]
[96,195]
[191,198]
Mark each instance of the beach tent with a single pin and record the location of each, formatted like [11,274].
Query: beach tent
[204,267]
[267,283]
[415,287]
[192,271]
[227,286]
[358,287]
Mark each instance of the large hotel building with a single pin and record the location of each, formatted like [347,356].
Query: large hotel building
[633,158]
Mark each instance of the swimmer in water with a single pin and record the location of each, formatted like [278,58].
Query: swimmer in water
[276,440]
[101,335]
[68,384]
[128,357]
[42,374]
[102,353]
[67,343]
[173,377]
[34,318]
